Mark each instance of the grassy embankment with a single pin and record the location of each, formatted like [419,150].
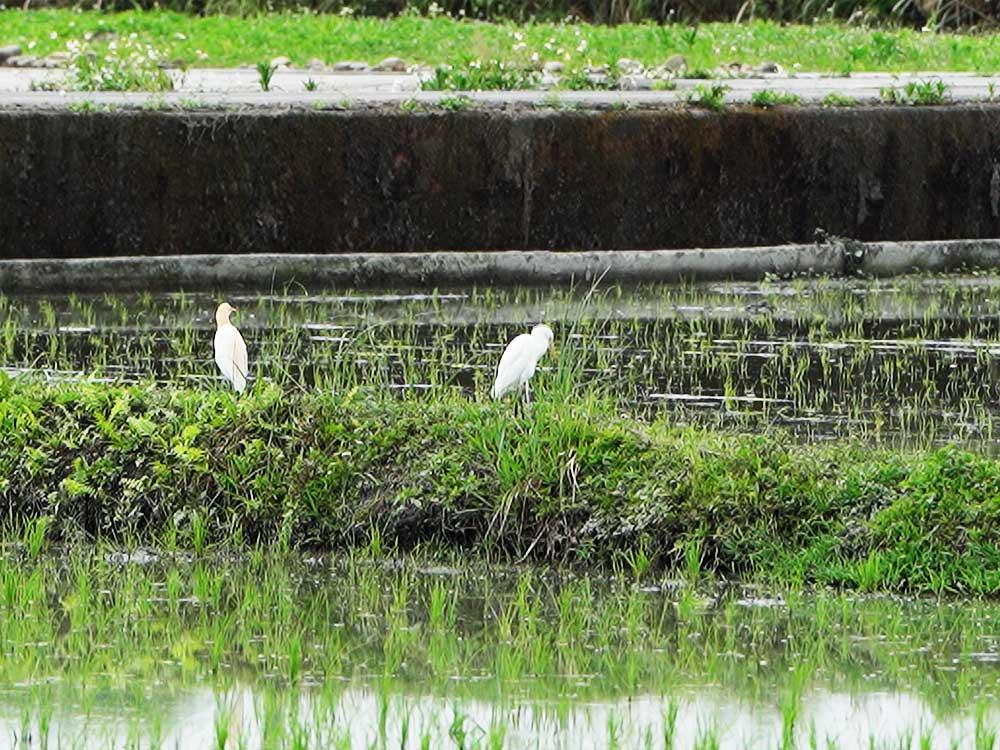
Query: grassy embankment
[568,481]
[230,41]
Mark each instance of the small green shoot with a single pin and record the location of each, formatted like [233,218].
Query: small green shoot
[711,97]
[455,103]
[916,93]
[265,72]
[835,99]
[766,98]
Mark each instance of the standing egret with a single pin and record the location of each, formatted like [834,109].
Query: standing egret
[517,364]
[230,349]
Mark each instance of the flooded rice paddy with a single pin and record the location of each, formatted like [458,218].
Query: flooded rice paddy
[135,649]
[910,360]
[141,649]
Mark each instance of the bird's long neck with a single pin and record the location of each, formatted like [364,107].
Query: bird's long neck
[222,318]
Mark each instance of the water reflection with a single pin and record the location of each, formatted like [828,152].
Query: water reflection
[364,717]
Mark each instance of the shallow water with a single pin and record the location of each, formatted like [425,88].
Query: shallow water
[114,650]
[911,360]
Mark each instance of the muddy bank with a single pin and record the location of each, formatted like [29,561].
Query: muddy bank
[174,183]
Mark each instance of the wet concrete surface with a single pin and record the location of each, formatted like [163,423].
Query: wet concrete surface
[431,270]
[239,87]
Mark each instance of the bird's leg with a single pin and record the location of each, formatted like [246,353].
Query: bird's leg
[527,397]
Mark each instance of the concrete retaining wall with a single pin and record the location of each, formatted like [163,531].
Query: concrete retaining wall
[169,183]
[312,272]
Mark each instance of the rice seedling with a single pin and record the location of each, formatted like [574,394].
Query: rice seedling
[265,72]
[791,433]
[297,652]
[787,355]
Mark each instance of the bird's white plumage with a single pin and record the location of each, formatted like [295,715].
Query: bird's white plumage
[230,350]
[519,360]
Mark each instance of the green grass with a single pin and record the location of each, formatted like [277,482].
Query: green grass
[265,71]
[919,93]
[769,98]
[833,99]
[230,41]
[711,97]
[569,481]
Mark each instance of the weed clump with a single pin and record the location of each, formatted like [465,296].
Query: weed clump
[917,93]
[770,98]
[711,97]
[127,64]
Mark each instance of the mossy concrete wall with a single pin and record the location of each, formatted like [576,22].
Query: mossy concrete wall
[305,181]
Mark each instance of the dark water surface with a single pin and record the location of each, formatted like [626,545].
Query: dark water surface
[909,360]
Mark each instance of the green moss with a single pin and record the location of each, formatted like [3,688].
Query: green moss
[566,481]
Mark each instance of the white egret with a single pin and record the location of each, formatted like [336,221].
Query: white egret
[517,364]
[230,349]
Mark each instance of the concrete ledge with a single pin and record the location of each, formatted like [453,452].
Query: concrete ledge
[177,183]
[313,272]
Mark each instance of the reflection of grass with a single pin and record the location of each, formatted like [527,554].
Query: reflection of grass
[111,629]
[208,41]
